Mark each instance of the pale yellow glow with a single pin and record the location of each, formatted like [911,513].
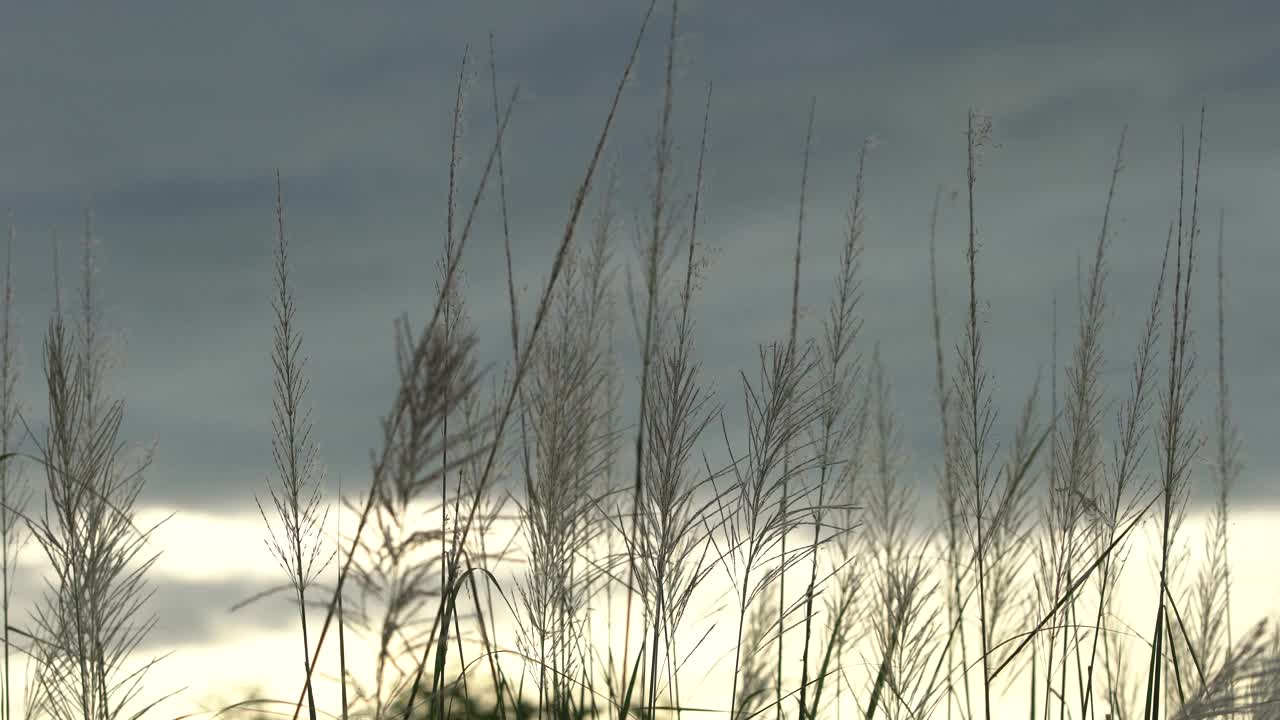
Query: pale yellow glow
[267,664]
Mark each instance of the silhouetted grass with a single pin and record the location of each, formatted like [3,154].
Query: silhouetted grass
[496,573]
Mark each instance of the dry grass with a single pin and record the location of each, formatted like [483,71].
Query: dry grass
[844,593]
[86,631]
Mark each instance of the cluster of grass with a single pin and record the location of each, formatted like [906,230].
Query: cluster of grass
[844,596]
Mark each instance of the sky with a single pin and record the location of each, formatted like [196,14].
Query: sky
[169,121]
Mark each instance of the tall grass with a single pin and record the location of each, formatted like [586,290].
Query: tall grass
[15,491]
[1034,537]
[506,562]
[296,494]
[841,430]
[92,618]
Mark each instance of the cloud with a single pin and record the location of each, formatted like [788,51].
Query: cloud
[172,123]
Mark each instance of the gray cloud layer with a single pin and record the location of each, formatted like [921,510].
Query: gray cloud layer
[170,123]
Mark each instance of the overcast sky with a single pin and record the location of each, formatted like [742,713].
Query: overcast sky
[170,120]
